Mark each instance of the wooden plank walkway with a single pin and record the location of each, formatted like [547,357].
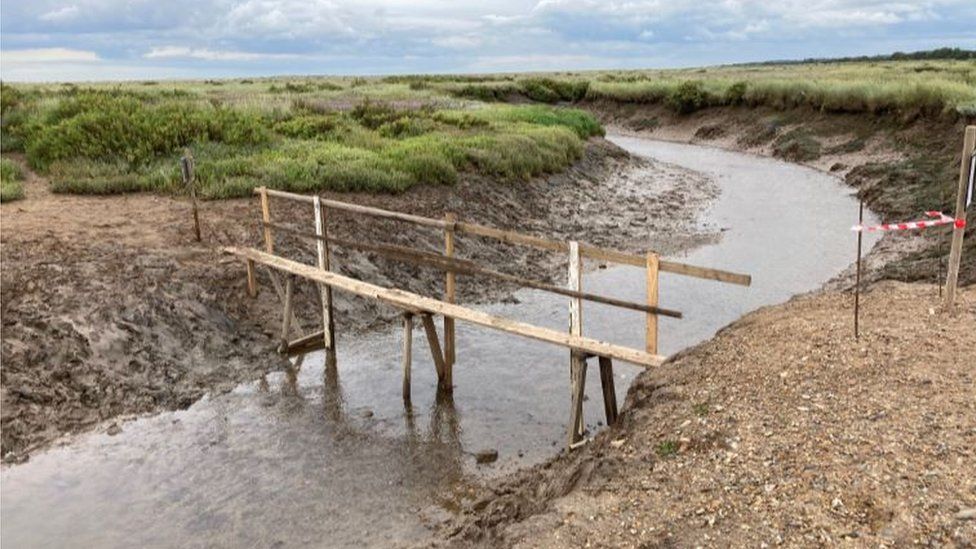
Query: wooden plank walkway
[413,302]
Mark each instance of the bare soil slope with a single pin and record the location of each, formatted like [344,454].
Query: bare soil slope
[784,429]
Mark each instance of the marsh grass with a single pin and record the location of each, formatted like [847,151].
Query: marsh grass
[11,177]
[105,141]
[924,87]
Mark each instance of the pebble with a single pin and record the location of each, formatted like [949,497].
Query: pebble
[966,514]
[113,429]
[486,456]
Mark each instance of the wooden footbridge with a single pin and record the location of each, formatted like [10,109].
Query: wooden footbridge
[425,308]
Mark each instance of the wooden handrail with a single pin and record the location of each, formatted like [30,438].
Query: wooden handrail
[513,237]
[467,267]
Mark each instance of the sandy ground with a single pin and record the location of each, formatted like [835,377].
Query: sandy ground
[782,431]
[110,309]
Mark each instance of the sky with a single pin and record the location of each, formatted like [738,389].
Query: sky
[79,40]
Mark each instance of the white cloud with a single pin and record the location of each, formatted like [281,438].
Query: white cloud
[289,19]
[66,13]
[457,42]
[48,55]
[177,52]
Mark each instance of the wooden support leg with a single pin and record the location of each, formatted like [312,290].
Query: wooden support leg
[322,251]
[444,381]
[578,381]
[252,284]
[450,291]
[280,292]
[407,354]
[577,362]
[286,315]
[653,268]
[609,391]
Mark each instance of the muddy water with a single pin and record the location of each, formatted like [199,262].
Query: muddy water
[316,457]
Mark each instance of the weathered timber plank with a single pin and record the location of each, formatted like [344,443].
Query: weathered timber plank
[407,300]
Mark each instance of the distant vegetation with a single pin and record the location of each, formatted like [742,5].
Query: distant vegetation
[124,139]
[389,133]
[11,187]
[925,55]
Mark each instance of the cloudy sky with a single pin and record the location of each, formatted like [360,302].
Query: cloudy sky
[135,39]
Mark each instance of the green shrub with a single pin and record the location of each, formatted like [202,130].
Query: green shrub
[11,190]
[10,171]
[689,97]
[550,90]
[309,126]
[407,126]
[736,93]
[373,115]
[460,120]
[103,127]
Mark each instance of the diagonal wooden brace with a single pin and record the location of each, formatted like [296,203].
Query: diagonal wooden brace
[444,381]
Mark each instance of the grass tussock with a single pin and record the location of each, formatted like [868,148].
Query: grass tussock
[11,181]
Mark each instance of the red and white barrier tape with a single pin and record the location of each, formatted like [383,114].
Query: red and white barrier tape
[942,219]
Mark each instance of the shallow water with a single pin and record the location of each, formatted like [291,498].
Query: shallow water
[312,458]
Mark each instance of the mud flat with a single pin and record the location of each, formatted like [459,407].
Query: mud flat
[307,455]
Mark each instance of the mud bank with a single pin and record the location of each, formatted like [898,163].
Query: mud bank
[110,309]
[901,166]
[781,430]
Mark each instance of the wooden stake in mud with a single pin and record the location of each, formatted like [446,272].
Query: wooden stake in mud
[287,314]
[959,229]
[653,270]
[609,391]
[857,276]
[450,291]
[322,249]
[407,354]
[252,284]
[577,361]
[186,163]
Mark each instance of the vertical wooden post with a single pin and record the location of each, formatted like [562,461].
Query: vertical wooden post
[407,354]
[450,291]
[959,230]
[857,276]
[609,390]
[266,216]
[186,163]
[577,362]
[652,300]
[286,317]
[252,285]
[322,249]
